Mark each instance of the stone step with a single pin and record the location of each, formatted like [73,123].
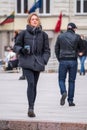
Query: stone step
[32,125]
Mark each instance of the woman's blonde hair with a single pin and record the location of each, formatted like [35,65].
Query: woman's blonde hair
[29,18]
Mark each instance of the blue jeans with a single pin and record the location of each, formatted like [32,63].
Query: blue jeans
[82,61]
[70,67]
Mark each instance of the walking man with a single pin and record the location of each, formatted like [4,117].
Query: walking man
[66,50]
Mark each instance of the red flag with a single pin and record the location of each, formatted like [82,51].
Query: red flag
[58,25]
[9,19]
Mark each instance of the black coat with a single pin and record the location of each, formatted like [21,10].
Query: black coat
[67,46]
[85,48]
[39,48]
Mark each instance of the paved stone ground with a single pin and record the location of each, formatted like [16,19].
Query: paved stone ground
[13,99]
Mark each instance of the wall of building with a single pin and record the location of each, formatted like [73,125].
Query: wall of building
[48,21]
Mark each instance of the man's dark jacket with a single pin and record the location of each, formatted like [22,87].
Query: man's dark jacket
[39,48]
[67,45]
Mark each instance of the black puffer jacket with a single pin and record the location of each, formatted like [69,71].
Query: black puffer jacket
[67,45]
[39,48]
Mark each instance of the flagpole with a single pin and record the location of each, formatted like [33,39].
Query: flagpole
[14,22]
[69,11]
[13,27]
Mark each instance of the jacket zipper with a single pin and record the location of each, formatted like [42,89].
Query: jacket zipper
[33,51]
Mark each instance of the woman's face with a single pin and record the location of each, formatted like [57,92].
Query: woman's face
[34,21]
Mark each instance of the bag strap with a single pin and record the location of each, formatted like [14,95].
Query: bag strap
[23,36]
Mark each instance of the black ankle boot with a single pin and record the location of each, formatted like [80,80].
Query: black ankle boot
[22,77]
[71,104]
[31,113]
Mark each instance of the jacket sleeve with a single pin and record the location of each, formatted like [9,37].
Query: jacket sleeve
[57,48]
[19,43]
[46,53]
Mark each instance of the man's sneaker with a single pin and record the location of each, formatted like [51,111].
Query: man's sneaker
[62,100]
[71,104]
[31,113]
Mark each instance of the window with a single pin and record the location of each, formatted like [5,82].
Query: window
[45,7]
[78,6]
[18,6]
[22,6]
[85,6]
[81,6]
[25,6]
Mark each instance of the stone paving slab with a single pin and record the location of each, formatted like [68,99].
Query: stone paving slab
[13,103]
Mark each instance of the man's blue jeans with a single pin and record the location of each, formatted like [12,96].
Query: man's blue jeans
[82,61]
[70,67]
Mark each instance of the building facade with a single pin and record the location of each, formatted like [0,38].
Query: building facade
[72,11]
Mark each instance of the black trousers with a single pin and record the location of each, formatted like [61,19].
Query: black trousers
[32,79]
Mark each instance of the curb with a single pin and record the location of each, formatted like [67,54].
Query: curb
[30,125]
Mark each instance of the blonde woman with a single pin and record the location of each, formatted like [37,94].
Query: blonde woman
[32,45]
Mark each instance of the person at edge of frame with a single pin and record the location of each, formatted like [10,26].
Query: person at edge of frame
[32,45]
[16,32]
[66,50]
[82,56]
